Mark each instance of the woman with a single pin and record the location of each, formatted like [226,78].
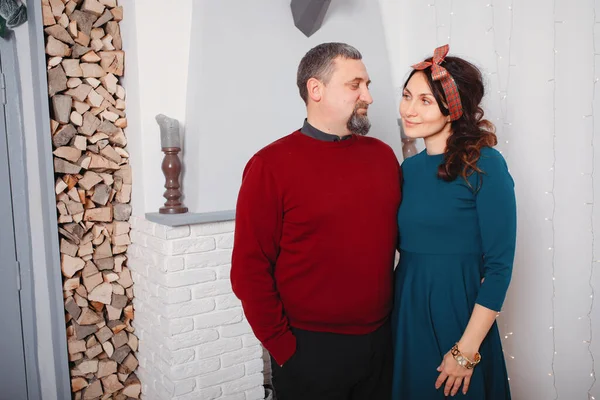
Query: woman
[457,226]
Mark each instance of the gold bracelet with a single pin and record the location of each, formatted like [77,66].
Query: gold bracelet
[462,360]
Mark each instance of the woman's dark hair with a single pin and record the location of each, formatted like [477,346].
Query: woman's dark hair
[470,132]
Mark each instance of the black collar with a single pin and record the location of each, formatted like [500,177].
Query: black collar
[314,133]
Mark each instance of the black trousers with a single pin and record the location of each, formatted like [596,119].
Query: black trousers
[329,366]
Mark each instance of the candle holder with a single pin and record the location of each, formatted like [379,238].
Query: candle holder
[171,165]
[409,147]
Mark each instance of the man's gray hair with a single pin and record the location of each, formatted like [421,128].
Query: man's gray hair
[318,63]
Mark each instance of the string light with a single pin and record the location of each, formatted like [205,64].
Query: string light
[502,94]
[553,81]
[451,19]
[590,282]
[437,26]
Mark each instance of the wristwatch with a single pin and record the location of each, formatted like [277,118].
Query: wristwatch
[462,360]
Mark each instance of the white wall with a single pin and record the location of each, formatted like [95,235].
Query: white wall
[242,93]
[156,41]
[544,104]
[235,90]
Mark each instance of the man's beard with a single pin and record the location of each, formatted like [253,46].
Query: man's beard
[359,124]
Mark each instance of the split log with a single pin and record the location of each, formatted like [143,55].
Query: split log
[60,33]
[112,61]
[61,106]
[57,80]
[55,47]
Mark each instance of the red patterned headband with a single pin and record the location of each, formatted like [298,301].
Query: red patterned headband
[439,73]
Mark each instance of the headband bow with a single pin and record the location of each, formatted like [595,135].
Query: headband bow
[439,73]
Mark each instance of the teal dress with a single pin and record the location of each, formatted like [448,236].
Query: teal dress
[452,235]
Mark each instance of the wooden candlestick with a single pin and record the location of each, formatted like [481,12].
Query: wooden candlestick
[171,167]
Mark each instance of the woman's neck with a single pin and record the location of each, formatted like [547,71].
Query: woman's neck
[436,143]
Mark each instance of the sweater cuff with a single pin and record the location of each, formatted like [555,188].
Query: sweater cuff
[282,348]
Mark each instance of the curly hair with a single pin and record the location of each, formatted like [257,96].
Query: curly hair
[471,132]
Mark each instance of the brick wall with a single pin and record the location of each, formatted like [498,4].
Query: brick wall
[194,340]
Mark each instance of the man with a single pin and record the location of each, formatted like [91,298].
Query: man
[315,239]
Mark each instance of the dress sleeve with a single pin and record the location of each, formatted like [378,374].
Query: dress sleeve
[497,214]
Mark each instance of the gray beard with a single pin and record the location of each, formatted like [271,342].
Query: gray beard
[358,124]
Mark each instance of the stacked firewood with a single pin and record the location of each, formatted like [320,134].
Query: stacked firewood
[93,190]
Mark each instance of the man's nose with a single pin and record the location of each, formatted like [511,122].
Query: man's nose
[366,97]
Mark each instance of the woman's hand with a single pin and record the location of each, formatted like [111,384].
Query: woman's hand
[454,375]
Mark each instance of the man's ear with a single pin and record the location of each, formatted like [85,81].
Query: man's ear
[315,89]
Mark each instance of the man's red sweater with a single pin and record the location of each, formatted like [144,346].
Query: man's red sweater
[315,238]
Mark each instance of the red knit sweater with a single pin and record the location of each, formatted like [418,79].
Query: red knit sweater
[315,236]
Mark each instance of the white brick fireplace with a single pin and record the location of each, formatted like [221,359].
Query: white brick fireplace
[194,340]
